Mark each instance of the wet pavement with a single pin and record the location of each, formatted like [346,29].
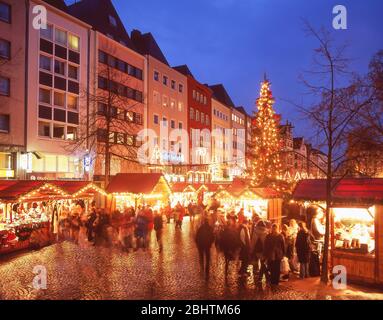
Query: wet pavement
[75,272]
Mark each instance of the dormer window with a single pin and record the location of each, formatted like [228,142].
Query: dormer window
[113,21]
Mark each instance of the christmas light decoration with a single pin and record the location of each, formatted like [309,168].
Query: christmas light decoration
[265,164]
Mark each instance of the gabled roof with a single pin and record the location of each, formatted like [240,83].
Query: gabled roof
[184,69]
[137,183]
[354,190]
[147,45]
[220,94]
[96,13]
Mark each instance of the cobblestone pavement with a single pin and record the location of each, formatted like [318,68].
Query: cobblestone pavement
[76,272]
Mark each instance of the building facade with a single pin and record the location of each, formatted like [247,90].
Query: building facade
[166,108]
[117,96]
[57,76]
[199,119]
[221,133]
[238,122]
[12,87]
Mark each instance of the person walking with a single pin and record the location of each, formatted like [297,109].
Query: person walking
[244,236]
[229,242]
[257,242]
[274,251]
[204,241]
[303,246]
[141,230]
[158,226]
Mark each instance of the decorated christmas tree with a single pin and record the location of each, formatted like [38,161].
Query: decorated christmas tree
[265,165]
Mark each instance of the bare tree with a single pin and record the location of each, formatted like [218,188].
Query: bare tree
[332,114]
[109,127]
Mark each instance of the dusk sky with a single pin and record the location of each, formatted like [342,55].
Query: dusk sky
[235,41]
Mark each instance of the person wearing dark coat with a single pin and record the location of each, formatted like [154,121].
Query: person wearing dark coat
[229,243]
[204,241]
[274,251]
[303,246]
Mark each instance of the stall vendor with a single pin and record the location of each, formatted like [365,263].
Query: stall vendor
[317,227]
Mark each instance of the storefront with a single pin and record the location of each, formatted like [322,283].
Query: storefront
[138,189]
[356,224]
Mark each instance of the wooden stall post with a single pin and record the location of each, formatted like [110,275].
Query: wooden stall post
[379,242]
[274,211]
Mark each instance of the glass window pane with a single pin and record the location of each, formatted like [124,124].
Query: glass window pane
[45,63]
[60,67]
[59,99]
[71,133]
[72,102]
[73,72]
[74,42]
[5,49]
[61,37]
[5,85]
[50,163]
[58,131]
[62,164]
[47,33]
[4,123]
[44,129]
[5,12]
[45,96]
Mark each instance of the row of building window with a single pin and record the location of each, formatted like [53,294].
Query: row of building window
[220,115]
[156,120]
[199,116]
[120,65]
[165,102]
[60,99]
[120,89]
[61,37]
[165,82]
[121,114]
[199,97]
[237,119]
[59,67]
[118,138]
[57,131]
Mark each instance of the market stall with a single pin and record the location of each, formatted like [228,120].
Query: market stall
[183,193]
[85,191]
[136,189]
[25,211]
[356,222]
[30,211]
[263,201]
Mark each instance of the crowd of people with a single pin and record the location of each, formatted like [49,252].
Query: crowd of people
[273,252]
[130,229]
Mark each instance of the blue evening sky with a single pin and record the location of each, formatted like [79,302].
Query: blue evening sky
[235,41]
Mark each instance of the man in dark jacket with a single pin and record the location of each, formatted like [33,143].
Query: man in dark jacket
[274,251]
[204,240]
[158,226]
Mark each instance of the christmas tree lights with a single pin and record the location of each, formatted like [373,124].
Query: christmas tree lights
[265,143]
